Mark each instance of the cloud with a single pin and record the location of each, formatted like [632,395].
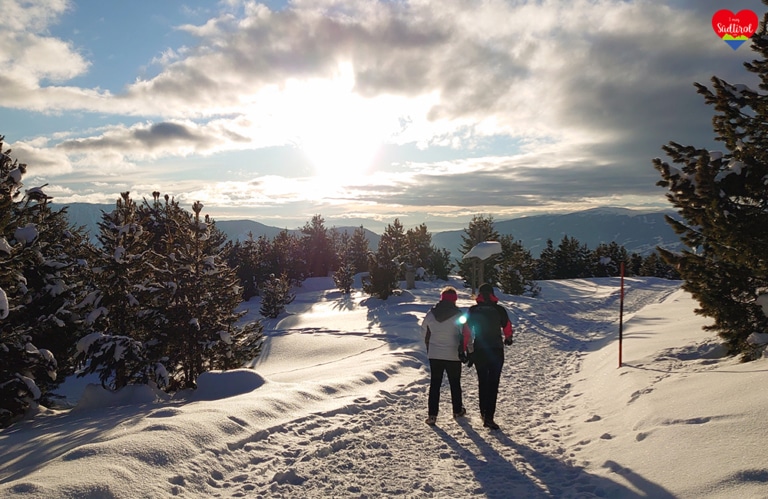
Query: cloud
[588,90]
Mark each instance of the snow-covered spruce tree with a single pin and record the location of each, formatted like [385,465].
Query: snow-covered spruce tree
[121,315]
[196,324]
[516,268]
[21,362]
[722,199]
[275,295]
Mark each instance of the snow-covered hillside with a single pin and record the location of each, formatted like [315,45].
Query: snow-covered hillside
[335,407]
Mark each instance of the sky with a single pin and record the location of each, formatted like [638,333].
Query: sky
[362,112]
[335,406]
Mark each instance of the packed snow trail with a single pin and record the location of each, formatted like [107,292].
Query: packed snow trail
[335,407]
[375,446]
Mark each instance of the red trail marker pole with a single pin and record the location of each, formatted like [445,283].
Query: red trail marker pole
[621,314]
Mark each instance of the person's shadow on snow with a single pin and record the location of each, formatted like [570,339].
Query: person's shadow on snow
[500,478]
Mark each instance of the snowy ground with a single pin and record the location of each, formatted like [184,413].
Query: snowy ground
[335,407]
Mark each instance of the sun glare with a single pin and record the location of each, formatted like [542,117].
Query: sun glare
[339,131]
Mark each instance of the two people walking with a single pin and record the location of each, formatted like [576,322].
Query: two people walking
[479,338]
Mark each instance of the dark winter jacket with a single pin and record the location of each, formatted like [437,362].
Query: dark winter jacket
[487,326]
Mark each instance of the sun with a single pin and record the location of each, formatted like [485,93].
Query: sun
[344,144]
[339,131]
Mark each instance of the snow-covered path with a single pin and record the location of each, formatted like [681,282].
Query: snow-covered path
[381,446]
[335,408]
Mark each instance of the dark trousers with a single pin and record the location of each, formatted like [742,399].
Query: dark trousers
[453,368]
[488,377]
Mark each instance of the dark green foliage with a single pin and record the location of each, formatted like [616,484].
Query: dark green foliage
[38,291]
[722,201]
[344,277]
[439,263]
[517,268]
[244,258]
[480,229]
[382,279]
[275,295]
[318,248]
[608,258]
[546,265]
[572,259]
[358,249]
[163,308]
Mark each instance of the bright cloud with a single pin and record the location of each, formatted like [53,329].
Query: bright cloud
[500,106]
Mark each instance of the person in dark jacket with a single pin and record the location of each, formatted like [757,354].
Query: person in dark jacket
[489,329]
[442,334]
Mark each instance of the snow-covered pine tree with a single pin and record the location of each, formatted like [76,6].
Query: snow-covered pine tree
[121,314]
[199,329]
[287,256]
[21,362]
[517,268]
[275,295]
[722,199]
[419,244]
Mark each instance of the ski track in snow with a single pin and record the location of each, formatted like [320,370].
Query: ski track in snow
[338,453]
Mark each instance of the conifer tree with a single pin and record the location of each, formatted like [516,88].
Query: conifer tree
[199,326]
[359,247]
[546,265]
[120,312]
[439,263]
[287,256]
[319,253]
[572,259]
[480,229]
[608,259]
[517,268]
[31,273]
[243,257]
[722,201]
[393,249]
[275,295]
[385,267]
[419,243]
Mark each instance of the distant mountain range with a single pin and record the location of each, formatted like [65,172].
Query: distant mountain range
[639,232]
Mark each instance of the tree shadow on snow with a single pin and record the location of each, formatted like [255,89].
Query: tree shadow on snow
[498,477]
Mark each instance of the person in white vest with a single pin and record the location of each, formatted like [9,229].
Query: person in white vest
[443,336]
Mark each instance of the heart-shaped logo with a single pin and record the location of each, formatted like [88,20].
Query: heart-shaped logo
[734,29]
